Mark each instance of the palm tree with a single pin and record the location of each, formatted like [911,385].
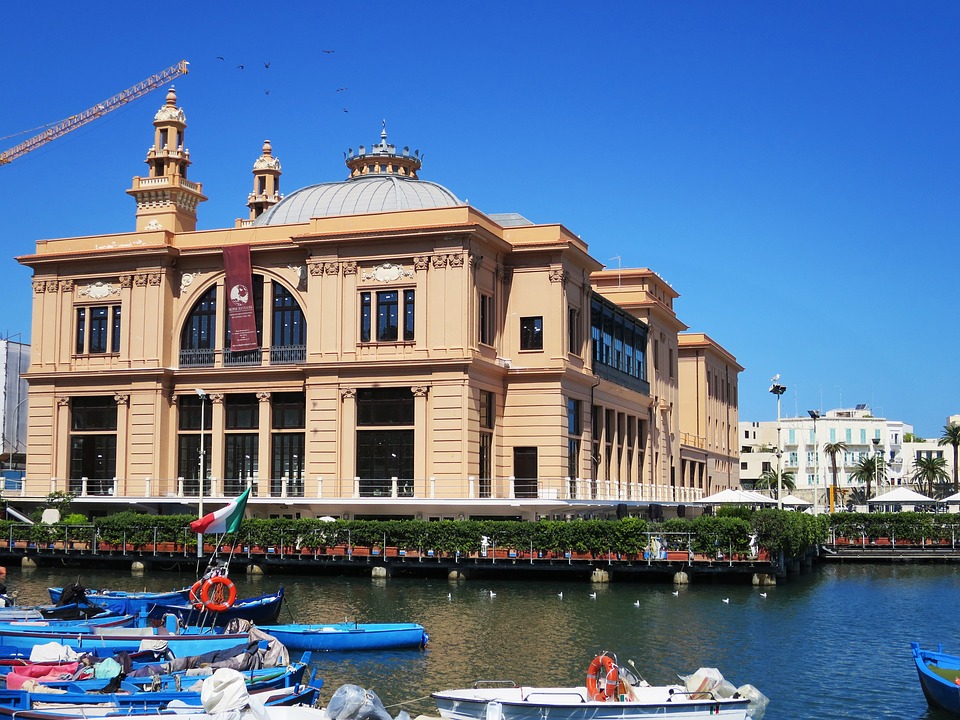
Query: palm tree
[834,449]
[768,481]
[930,470]
[869,469]
[951,436]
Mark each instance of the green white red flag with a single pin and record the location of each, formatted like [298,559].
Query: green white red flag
[225,520]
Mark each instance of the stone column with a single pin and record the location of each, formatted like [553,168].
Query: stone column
[420,448]
[264,466]
[348,435]
[123,437]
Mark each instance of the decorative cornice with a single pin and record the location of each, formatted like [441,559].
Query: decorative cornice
[140,280]
[66,286]
[421,262]
[99,290]
[52,286]
[263,396]
[154,278]
[456,259]
[216,398]
[315,268]
[420,390]
[476,261]
[39,287]
[63,401]
[348,393]
[350,267]
[331,268]
[439,261]
[121,398]
[127,280]
[556,275]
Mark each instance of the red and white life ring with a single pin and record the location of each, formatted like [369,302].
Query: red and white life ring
[218,593]
[603,678]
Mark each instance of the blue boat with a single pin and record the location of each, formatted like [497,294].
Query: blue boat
[119,601]
[340,637]
[939,677]
[260,610]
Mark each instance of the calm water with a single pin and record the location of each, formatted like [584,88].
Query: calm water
[832,643]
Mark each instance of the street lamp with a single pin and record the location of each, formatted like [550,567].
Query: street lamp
[202,466]
[877,461]
[777,389]
[816,460]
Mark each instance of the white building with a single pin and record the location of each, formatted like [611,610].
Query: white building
[802,440]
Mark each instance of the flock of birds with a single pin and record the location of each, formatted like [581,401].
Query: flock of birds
[266,66]
[593,596]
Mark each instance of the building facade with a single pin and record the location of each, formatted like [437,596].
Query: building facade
[387,350]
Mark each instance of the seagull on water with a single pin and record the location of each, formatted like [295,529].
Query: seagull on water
[492,594]
[593,596]
[676,593]
[636,603]
[727,600]
[449,596]
[763,595]
[560,595]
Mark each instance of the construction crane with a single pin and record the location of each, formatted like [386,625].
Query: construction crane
[99,110]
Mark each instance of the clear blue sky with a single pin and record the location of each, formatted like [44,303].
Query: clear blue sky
[790,168]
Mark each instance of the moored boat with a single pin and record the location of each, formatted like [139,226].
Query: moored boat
[939,674]
[119,601]
[260,610]
[339,637]
[610,693]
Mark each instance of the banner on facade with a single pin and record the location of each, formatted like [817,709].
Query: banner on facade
[243,322]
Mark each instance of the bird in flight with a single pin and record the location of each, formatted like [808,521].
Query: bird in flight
[266,65]
[340,89]
[219,57]
[329,51]
[266,92]
[345,110]
[239,67]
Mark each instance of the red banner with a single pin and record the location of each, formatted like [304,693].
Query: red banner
[243,322]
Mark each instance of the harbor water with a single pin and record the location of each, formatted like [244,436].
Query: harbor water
[833,642]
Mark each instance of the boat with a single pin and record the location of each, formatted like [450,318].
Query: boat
[610,693]
[85,625]
[939,674]
[118,601]
[347,636]
[261,610]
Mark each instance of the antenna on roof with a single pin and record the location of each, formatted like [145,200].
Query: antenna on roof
[617,258]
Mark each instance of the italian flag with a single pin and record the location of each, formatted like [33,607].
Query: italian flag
[225,520]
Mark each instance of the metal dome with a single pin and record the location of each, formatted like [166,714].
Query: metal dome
[357,196]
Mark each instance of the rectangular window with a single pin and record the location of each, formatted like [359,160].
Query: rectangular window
[793,437]
[531,333]
[863,436]
[408,314]
[876,434]
[388,316]
[289,410]
[525,472]
[81,345]
[849,434]
[574,420]
[365,312]
[574,331]
[98,330]
[670,361]
[833,435]
[743,466]
[115,330]
[485,320]
[242,412]
[487,409]
[813,437]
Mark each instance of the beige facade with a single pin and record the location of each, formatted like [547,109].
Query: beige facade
[415,357]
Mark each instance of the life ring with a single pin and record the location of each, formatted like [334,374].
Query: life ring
[194,595]
[218,594]
[603,678]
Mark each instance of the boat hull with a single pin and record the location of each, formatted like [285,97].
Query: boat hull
[260,610]
[126,603]
[341,637]
[529,703]
[938,673]
[191,642]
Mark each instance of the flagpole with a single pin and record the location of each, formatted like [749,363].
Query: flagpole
[203,396]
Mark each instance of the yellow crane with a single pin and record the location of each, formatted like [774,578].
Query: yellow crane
[98,110]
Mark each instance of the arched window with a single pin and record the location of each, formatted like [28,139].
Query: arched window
[197,341]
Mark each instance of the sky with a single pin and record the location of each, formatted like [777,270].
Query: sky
[791,169]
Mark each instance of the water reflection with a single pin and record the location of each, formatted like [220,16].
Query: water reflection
[833,643]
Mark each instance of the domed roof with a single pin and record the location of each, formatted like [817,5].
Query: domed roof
[381,180]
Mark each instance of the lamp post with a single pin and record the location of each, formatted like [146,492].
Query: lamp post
[877,460]
[777,389]
[202,465]
[816,461]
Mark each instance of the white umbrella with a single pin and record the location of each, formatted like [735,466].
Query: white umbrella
[794,501]
[736,497]
[900,496]
[955,498]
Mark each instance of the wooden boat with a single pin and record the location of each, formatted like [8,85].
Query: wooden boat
[86,625]
[939,675]
[610,693]
[260,610]
[119,601]
[339,637]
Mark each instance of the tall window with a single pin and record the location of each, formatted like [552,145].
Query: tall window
[98,329]
[198,338]
[574,331]
[241,440]
[488,410]
[574,432]
[395,313]
[619,344]
[525,472]
[93,444]
[385,441]
[288,421]
[531,333]
[485,320]
[192,413]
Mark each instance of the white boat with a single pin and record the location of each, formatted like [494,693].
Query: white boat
[610,693]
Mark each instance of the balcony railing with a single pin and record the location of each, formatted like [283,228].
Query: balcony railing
[278,355]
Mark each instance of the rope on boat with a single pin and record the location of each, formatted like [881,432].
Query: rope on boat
[407,702]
